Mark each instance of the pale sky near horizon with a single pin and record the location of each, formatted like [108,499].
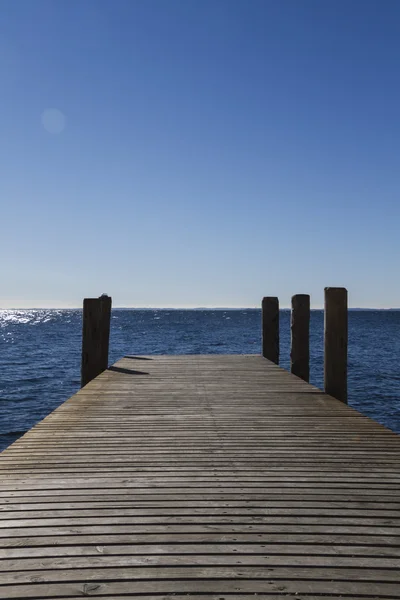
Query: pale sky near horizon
[199,152]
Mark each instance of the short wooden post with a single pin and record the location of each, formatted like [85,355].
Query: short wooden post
[95,337]
[335,362]
[300,336]
[270,328]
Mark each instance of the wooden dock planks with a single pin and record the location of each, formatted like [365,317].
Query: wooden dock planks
[222,477]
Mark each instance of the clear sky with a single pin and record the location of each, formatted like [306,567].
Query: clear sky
[199,152]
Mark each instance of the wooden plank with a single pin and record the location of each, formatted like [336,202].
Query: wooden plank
[271,551]
[206,596]
[316,540]
[263,588]
[205,572]
[103,560]
[227,505]
[207,513]
[201,475]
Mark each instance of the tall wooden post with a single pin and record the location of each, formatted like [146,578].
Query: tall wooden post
[335,362]
[300,336]
[95,337]
[270,328]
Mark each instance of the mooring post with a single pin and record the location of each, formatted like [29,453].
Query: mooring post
[270,328]
[300,336]
[336,327]
[95,337]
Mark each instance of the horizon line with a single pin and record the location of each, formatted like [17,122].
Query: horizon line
[359,308]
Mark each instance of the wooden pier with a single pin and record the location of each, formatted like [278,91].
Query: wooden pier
[215,477]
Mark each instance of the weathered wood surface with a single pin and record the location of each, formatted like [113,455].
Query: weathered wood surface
[95,337]
[335,342]
[218,476]
[300,336]
[270,328]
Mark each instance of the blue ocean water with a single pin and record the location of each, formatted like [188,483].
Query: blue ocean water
[40,354]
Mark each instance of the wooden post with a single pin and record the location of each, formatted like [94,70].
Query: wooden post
[335,362]
[95,337]
[270,328]
[300,336]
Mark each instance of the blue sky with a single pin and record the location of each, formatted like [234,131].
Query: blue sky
[199,152]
